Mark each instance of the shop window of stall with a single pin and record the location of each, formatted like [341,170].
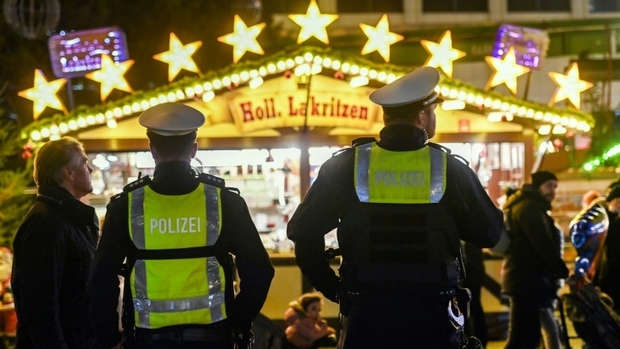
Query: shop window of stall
[358,6]
[498,165]
[268,179]
[455,6]
[539,6]
[604,6]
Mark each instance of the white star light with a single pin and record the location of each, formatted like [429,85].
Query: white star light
[43,94]
[506,71]
[243,39]
[313,23]
[380,38]
[111,76]
[442,53]
[569,86]
[179,57]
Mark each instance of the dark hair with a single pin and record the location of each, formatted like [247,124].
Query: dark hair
[301,304]
[404,112]
[172,146]
[53,156]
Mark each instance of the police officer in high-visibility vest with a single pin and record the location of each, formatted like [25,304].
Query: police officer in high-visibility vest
[400,206]
[176,239]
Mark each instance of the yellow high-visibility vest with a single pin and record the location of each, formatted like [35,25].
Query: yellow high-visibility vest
[399,177]
[179,291]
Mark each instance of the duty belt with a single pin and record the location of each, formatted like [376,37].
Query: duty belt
[187,335]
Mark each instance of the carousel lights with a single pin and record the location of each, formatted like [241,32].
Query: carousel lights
[243,39]
[256,82]
[63,128]
[111,76]
[380,38]
[358,81]
[313,24]
[35,135]
[558,130]
[208,96]
[442,53]
[111,123]
[43,94]
[73,125]
[544,130]
[179,57]
[453,104]
[316,63]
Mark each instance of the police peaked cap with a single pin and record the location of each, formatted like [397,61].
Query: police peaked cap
[416,89]
[171,119]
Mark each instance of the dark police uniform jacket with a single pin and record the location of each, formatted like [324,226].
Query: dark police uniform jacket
[54,248]
[238,233]
[399,267]
[332,196]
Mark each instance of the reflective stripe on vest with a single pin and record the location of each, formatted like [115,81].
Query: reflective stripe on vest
[399,177]
[180,291]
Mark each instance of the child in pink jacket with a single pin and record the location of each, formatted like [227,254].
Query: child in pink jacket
[306,329]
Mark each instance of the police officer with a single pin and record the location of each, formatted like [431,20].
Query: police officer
[181,232]
[400,205]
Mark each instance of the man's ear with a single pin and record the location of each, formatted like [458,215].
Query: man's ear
[153,151]
[194,150]
[67,173]
[421,118]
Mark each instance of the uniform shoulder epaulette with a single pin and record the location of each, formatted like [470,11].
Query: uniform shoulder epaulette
[440,147]
[212,180]
[137,184]
[362,140]
[448,151]
[233,190]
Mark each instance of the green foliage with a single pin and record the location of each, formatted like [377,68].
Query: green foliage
[14,203]
[605,134]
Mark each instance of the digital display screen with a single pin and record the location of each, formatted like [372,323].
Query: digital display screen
[530,44]
[77,53]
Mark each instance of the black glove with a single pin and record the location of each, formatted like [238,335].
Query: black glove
[244,340]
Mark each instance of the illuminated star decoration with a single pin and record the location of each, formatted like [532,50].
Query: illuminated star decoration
[243,39]
[380,38]
[442,53]
[111,76]
[313,23]
[569,86]
[179,57]
[43,94]
[506,71]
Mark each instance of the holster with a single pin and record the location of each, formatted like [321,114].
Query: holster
[463,298]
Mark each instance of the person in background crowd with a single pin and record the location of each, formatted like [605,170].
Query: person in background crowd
[533,264]
[608,265]
[8,317]
[401,205]
[306,328]
[53,251]
[182,234]
[588,197]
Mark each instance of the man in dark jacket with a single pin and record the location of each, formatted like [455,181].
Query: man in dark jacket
[183,230]
[54,248]
[606,275]
[533,262]
[401,205]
